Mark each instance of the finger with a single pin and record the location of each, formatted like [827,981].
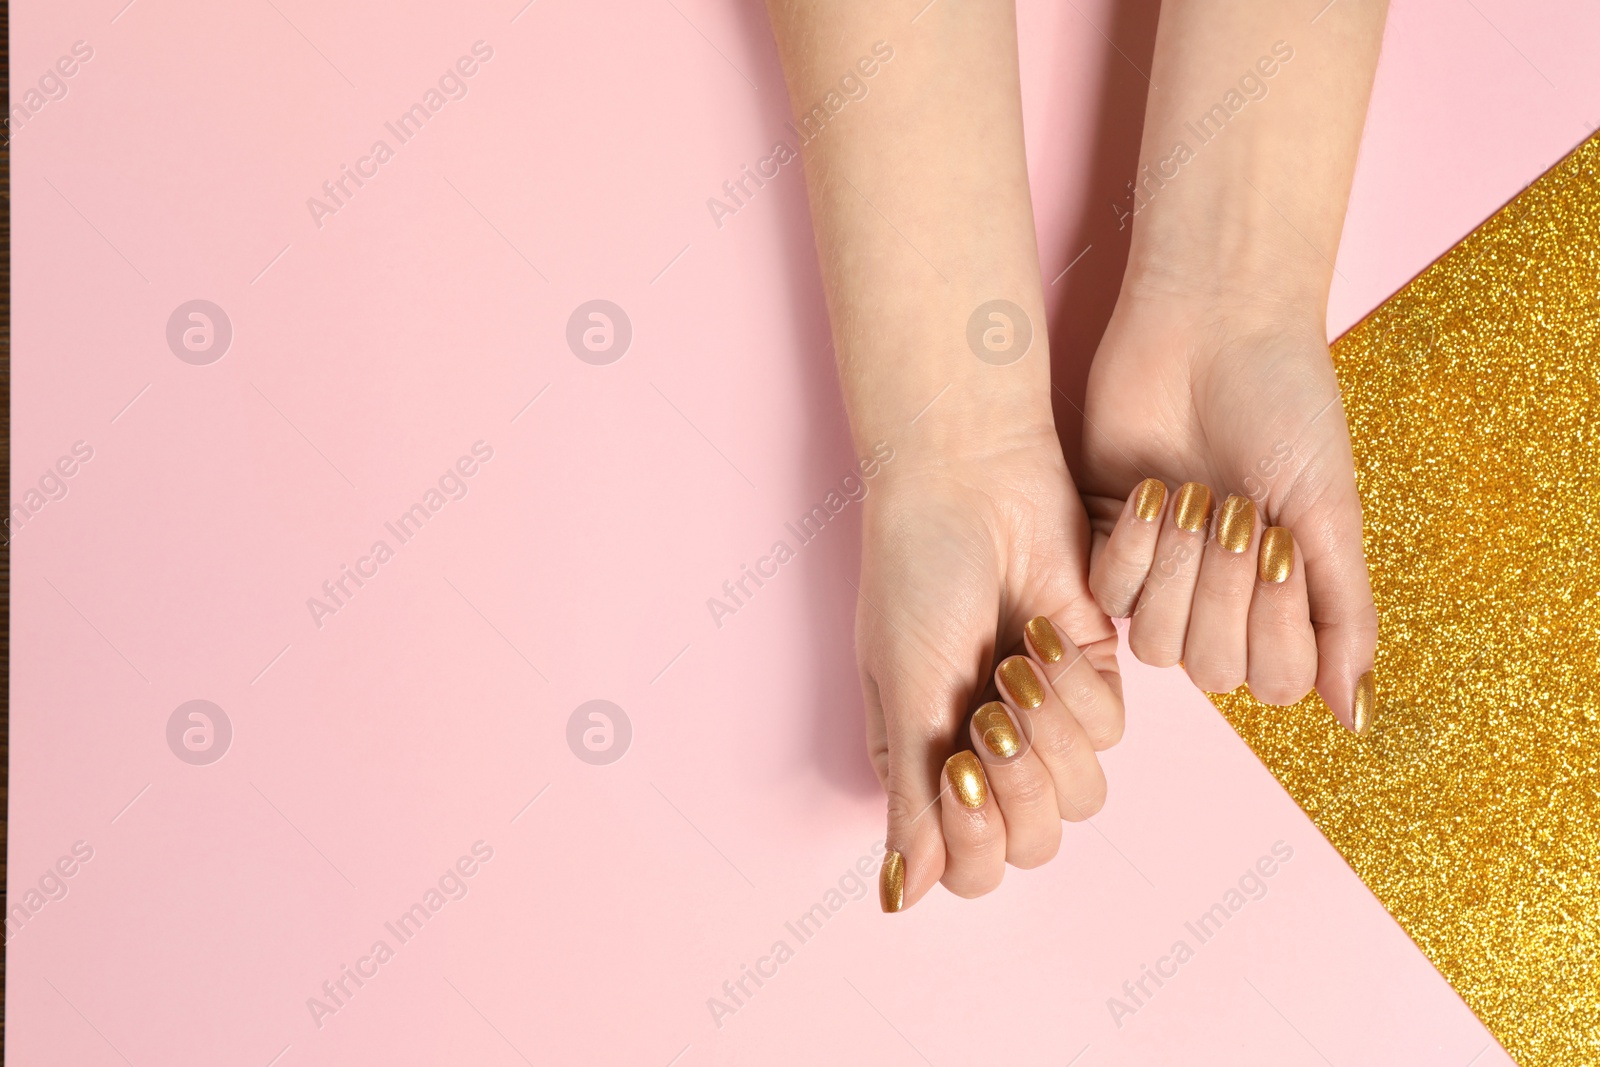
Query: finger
[974,829]
[912,761]
[1120,568]
[1020,785]
[1215,654]
[1162,618]
[1339,590]
[1077,683]
[1283,649]
[1056,736]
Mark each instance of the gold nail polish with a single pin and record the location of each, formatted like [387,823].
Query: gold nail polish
[1045,641]
[1236,523]
[1021,682]
[997,730]
[1150,499]
[1193,507]
[892,881]
[1365,707]
[965,772]
[1277,555]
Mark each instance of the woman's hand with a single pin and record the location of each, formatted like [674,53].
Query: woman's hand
[964,559]
[1214,372]
[925,239]
[1244,562]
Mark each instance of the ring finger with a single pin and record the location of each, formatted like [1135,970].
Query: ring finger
[1057,737]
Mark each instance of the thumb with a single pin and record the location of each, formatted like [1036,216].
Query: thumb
[918,729]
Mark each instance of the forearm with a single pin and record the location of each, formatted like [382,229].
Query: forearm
[1249,149]
[920,203]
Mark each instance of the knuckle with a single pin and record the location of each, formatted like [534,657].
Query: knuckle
[1279,690]
[970,884]
[1153,651]
[1075,691]
[1085,800]
[1213,675]
[1102,592]
[1059,746]
[903,807]
[1037,853]
[1025,793]
[1106,730]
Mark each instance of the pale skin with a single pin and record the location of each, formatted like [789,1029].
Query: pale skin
[1214,370]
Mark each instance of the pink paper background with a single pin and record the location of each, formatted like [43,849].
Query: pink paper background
[369,754]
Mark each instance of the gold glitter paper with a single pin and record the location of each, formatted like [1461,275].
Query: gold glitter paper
[1472,809]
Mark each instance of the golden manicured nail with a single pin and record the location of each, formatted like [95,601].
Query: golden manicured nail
[965,772]
[1193,507]
[997,730]
[1236,523]
[1045,641]
[1277,555]
[1365,707]
[1151,496]
[1021,682]
[892,881]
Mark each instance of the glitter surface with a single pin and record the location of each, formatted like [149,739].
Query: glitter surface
[1472,809]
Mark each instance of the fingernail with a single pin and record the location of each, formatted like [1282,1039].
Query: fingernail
[965,772]
[1045,641]
[1151,496]
[1236,523]
[892,881]
[1021,682]
[1193,508]
[998,732]
[1277,554]
[1365,708]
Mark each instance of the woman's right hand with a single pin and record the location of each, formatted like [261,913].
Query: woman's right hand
[963,561]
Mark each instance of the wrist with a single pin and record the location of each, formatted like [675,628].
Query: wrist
[949,376]
[965,419]
[1233,253]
